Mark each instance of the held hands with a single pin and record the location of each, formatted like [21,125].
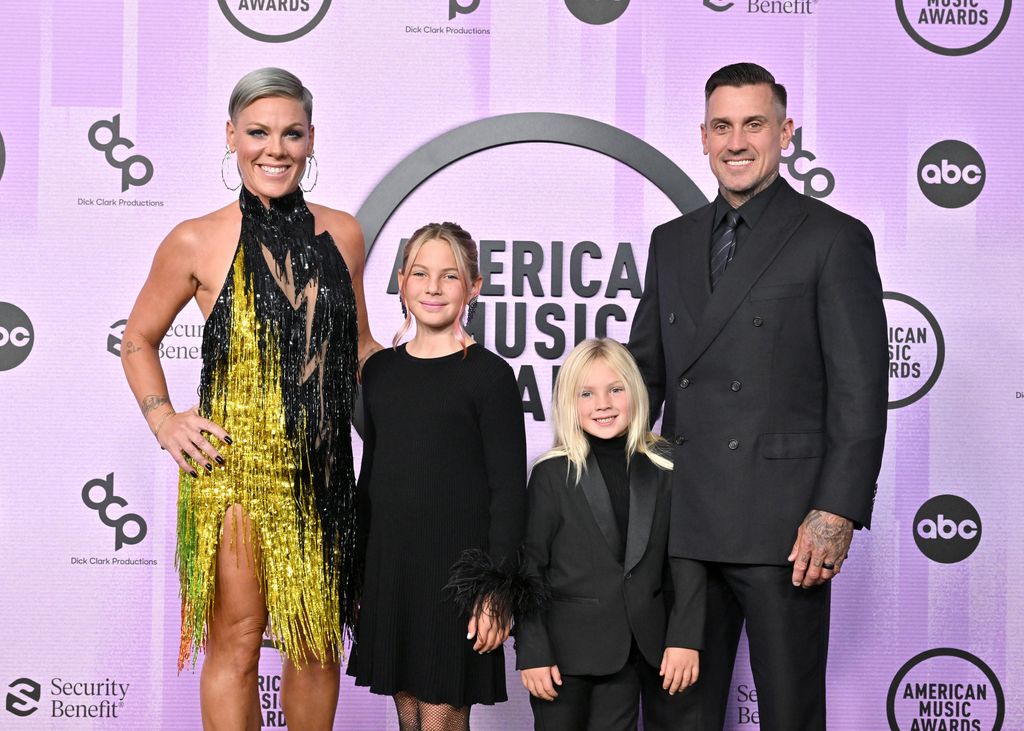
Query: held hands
[181,434]
[485,627]
[680,667]
[822,543]
[541,681]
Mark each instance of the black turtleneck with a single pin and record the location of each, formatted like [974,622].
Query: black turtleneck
[611,458]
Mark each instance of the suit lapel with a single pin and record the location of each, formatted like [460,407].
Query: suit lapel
[643,494]
[763,244]
[695,283]
[596,492]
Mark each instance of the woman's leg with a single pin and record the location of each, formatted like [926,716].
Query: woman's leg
[228,691]
[309,694]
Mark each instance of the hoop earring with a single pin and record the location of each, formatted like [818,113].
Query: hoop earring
[223,177]
[316,166]
[471,310]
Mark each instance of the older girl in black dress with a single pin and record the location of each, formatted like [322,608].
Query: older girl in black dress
[443,484]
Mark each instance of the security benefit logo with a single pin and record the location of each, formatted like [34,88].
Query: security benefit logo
[953,27]
[766,7]
[818,182]
[945,689]
[274,21]
[23,697]
[951,174]
[67,698]
[947,529]
[105,136]
[16,336]
[182,341]
[597,12]
[129,528]
[917,349]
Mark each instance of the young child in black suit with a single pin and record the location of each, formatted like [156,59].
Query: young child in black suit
[597,535]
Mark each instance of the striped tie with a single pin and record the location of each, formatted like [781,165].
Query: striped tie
[724,247]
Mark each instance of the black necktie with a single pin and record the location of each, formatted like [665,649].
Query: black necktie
[723,248]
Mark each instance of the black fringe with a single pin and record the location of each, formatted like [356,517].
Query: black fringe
[511,591]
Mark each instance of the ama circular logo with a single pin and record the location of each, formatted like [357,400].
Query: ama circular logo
[274,21]
[944,689]
[951,174]
[947,529]
[597,12]
[953,27]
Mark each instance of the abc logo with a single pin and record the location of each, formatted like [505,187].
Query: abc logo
[16,335]
[951,174]
[597,12]
[947,529]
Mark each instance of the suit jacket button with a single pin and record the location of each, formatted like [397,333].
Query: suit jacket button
[629,575]
[671,318]
[734,444]
[684,382]
[735,386]
[758,322]
[680,439]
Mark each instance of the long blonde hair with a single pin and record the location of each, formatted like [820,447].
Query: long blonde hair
[466,262]
[570,439]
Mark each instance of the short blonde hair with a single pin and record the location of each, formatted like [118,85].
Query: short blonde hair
[570,439]
[467,262]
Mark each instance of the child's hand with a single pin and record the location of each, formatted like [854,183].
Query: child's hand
[541,681]
[680,667]
[484,626]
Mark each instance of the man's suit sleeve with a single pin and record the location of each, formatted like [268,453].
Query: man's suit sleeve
[852,331]
[645,335]
[686,620]
[532,644]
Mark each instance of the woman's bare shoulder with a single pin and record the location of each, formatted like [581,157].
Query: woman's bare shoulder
[343,227]
[211,229]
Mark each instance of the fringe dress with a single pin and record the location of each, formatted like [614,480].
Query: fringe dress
[279,369]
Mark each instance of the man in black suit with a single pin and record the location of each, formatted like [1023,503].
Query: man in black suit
[761,329]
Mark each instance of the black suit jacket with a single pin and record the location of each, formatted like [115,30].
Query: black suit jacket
[598,604]
[774,386]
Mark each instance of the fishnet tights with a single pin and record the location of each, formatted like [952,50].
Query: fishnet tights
[415,715]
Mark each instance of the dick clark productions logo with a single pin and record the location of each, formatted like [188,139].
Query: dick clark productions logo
[112,127]
[274,21]
[953,27]
[121,538]
[947,529]
[16,336]
[951,174]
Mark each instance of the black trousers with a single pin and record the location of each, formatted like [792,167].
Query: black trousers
[612,702]
[787,630]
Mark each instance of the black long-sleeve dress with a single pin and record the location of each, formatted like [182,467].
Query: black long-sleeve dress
[444,470]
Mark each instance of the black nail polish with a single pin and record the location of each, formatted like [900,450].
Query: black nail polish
[228,440]
[209,467]
[193,473]
[219,459]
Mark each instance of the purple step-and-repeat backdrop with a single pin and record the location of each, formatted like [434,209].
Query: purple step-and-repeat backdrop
[559,132]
